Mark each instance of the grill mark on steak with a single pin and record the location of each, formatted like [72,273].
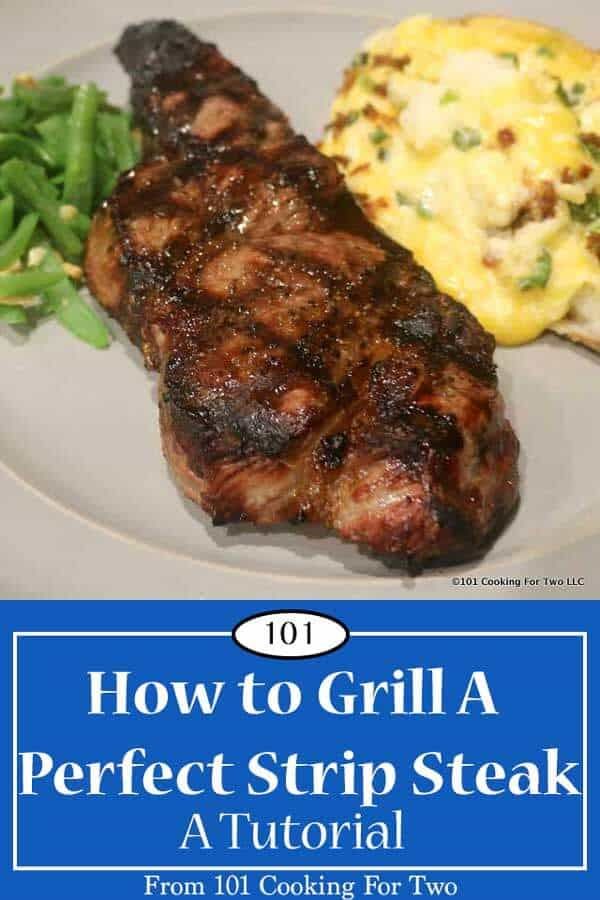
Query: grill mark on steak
[309,369]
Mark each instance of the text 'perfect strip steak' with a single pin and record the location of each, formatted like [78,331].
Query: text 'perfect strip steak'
[309,368]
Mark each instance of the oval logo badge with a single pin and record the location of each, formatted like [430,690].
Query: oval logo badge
[290,634]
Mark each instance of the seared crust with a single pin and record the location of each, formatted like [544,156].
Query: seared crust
[309,368]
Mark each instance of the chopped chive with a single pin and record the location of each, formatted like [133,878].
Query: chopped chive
[466,138]
[402,199]
[570,96]
[540,274]
[367,83]
[382,154]
[586,212]
[423,210]
[449,96]
[591,143]
[512,57]
[379,135]
[562,94]
[361,59]
[546,51]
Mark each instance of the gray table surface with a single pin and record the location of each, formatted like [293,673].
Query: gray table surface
[35,32]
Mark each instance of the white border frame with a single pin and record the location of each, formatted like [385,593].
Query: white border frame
[583,635]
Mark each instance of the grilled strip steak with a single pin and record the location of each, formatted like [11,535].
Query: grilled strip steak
[309,369]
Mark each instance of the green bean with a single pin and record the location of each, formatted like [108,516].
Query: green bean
[105,180]
[106,135]
[53,81]
[7,215]
[25,148]
[16,245]
[128,153]
[71,309]
[115,132]
[54,132]
[43,183]
[13,315]
[13,114]
[136,143]
[79,170]
[45,97]
[24,284]
[59,144]
[81,225]
[25,187]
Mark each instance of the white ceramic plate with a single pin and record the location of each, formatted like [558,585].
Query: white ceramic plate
[79,427]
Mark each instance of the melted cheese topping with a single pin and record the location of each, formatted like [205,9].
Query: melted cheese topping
[473,143]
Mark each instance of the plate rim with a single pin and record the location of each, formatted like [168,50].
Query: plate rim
[568,535]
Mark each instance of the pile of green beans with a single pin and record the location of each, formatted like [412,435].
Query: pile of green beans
[62,149]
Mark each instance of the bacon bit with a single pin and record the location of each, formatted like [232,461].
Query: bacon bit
[364,167]
[568,176]
[370,207]
[376,115]
[350,76]
[591,138]
[593,242]
[490,261]
[506,137]
[381,90]
[341,121]
[546,200]
[541,206]
[395,62]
